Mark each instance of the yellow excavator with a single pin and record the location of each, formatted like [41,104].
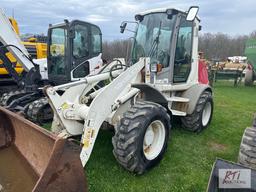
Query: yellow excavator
[36,49]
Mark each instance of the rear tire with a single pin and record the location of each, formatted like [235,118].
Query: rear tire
[248,78]
[202,115]
[247,153]
[141,137]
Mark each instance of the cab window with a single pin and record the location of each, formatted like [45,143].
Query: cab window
[58,41]
[81,42]
[96,40]
[183,52]
[81,71]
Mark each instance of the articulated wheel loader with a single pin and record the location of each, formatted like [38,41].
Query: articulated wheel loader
[160,79]
[37,50]
[73,48]
[136,98]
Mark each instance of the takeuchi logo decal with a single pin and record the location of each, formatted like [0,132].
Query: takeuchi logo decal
[234,178]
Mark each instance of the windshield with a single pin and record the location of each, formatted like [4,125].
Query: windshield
[58,40]
[153,38]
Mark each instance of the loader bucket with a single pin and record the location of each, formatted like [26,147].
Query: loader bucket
[33,159]
[235,176]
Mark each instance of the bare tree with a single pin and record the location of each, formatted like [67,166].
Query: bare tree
[220,46]
[214,45]
[117,48]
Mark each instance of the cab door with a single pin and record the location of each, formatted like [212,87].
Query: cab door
[57,55]
[80,48]
[86,44]
[183,52]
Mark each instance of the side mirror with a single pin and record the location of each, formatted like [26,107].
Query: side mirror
[192,13]
[122,27]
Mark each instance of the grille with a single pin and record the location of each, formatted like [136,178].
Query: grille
[32,51]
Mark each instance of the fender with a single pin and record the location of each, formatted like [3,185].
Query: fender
[193,94]
[150,93]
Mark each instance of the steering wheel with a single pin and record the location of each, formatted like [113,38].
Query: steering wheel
[163,58]
[183,60]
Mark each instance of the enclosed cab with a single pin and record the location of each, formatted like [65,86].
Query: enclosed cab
[74,51]
[167,38]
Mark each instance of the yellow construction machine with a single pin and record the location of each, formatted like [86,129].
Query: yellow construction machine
[36,49]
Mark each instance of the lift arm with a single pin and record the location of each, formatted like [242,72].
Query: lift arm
[70,111]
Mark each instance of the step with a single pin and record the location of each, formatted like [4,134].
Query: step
[177,99]
[178,113]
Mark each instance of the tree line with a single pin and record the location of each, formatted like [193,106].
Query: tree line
[214,45]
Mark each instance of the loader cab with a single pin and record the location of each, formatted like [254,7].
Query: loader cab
[170,39]
[70,46]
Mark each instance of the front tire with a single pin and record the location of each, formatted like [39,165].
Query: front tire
[141,137]
[202,115]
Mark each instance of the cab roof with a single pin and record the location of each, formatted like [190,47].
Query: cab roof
[162,10]
[158,10]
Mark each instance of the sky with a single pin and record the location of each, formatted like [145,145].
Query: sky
[233,17]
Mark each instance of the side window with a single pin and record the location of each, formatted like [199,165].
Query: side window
[81,42]
[81,71]
[183,52]
[96,40]
[58,40]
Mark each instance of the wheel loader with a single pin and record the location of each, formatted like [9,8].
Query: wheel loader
[137,98]
[161,79]
[69,44]
[37,50]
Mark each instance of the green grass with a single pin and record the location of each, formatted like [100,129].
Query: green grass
[187,164]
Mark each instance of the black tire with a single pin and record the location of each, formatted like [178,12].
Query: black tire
[248,78]
[129,136]
[39,111]
[247,152]
[194,121]
[7,98]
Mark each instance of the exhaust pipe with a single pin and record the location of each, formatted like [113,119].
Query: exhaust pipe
[55,162]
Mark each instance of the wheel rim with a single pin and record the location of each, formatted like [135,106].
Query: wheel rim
[154,139]
[206,113]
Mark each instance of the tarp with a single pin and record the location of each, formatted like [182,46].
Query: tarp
[250,51]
